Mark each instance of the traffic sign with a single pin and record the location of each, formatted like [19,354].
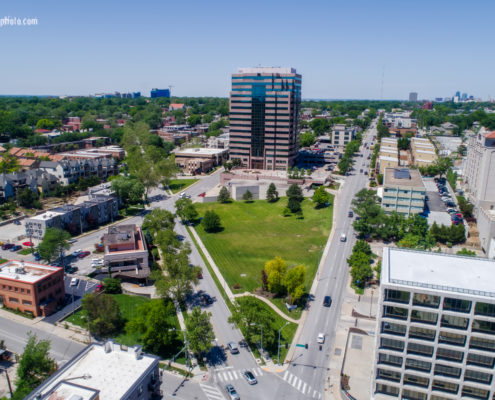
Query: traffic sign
[300,345]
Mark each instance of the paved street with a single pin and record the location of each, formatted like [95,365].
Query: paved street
[311,366]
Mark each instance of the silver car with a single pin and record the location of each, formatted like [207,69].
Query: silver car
[232,392]
[250,378]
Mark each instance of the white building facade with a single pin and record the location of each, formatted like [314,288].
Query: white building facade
[435,327]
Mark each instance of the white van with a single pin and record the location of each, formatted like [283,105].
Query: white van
[343,237]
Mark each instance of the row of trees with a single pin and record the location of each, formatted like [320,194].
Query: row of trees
[279,280]
[346,162]
[360,263]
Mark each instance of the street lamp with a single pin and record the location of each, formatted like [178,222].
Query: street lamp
[278,355]
[185,346]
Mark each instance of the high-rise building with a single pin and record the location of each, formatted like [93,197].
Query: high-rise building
[264,117]
[413,96]
[435,327]
[159,93]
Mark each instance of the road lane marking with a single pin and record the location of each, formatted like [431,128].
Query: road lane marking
[314,393]
[285,375]
[235,374]
[303,390]
[299,384]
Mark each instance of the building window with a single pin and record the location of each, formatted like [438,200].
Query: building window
[450,321]
[426,300]
[391,344]
[458,305]
[421,349]
[424,317]
[412,395]
[482,344]
[449,355]
[386,389]
[452,338]
[481,361]
[418,365]
[27,302]
[447,371]
[13,300]
[421,333]
[393,329]
[476,393]
[388,375]
[485,309]
[395,312]
[416,380]
[397,296]
[389,360]
[477,376]
[484,326]
[445,386]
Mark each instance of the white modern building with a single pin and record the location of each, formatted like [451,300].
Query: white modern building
[435,327]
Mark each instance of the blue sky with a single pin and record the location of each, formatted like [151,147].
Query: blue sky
[341,48]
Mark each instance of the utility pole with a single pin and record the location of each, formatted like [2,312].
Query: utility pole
[8,381]
[278,355]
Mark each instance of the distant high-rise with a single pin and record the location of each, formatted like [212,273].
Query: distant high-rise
[458,94]
[160,93]
[413,96]
[264,117]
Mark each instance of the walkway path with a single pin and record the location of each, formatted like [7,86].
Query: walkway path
[273,306]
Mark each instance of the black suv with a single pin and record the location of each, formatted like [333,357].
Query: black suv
[327,301]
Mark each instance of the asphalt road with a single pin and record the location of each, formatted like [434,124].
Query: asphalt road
[311,366]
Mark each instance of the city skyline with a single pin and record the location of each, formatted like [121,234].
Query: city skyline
[354,50]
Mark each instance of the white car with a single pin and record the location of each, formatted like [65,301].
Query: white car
[74,281]
[343,237]
[97,262]
[321,338]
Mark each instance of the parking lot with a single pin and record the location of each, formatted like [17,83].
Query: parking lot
[436,209]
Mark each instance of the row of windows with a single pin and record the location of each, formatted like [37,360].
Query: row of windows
[16,289]
[467,391]
[450,304]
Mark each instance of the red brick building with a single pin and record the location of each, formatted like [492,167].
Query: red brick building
[31,287]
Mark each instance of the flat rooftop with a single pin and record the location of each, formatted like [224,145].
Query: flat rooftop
[46,215]
[112,372]
[266,70]
[25,271]
[441,272]
[402,177]
[200,151]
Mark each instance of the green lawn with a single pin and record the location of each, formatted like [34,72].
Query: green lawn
[128,308]
[176,185]
[25,252]
[257,232]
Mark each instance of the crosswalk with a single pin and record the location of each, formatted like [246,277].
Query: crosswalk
[228,375]
[301,386]
[211,392]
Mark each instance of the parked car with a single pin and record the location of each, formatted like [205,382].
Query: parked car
[16,248]
[327,301]
[74,282]
[17,222]
[71,269]
[37,256]
[72,241]
[233,347]
[28,244]
[76,253]
[7,246]
[84,254]
[99,288]
[248,375]
[350,214]
[232,392]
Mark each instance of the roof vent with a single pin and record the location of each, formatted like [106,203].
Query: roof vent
[108,346]
[138,352]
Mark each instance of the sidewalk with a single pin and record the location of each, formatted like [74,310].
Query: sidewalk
[268,302]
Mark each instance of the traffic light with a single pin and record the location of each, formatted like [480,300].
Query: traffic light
[306,346]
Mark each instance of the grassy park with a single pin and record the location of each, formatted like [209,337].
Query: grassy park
[256,232]
[176,185]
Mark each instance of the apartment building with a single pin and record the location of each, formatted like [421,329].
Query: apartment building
[32,288]
[126,253]
[423,152]
[108,371]
[76,218]
[435,329]
[264,117]
[403,191]
[342,134]
[388,156]
[70,171]
[479,184]
[195,161]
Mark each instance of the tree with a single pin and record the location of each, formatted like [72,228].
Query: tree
[54,242]
[199,331]
[295,192]
[158,220]
[28,198]
[321,197]
[251,317]
[465,206]
[128,189]
[186,210]
[294,205]
[264,280]
[403,143]
[362,246]
[271,193]
[35,366]
[193,120]
[360,268]
[152,323]
[307,139]
[211,222]
[112,285]
[276,270]
[180,275]
[224,195]
[9,163]
[45,123]
[247,197]
[294,282]
[103,313]
[319,126]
